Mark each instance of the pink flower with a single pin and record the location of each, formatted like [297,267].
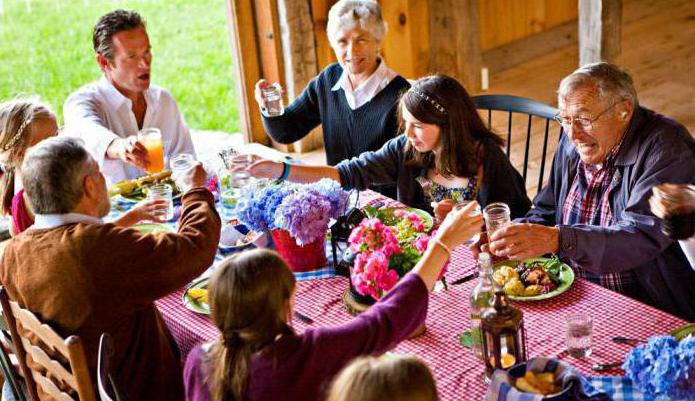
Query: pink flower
[421,243]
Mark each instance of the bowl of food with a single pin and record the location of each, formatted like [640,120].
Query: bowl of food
[546,384]
[237,237]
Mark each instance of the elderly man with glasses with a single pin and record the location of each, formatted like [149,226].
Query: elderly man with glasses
[594,212]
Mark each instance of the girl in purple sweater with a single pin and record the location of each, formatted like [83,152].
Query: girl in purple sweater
[259,357]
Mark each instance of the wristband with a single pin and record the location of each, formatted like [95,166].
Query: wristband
[442,245]
[285,171]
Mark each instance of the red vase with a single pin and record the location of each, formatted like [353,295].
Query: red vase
[300,258]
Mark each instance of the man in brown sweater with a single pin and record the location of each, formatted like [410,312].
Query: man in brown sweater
[86,277]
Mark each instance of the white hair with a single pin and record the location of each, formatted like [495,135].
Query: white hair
[612,83]
[348,14]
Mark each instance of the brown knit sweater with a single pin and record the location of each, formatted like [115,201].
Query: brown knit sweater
[86,279]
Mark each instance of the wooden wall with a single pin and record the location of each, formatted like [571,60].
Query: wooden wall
[504,21]
[406,46]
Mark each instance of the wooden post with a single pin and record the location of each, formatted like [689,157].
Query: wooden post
[406,47]
[299,52]
[242,33]
[455,41]
[600,23]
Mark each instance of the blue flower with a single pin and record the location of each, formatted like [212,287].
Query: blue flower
[302,209]
[664,368]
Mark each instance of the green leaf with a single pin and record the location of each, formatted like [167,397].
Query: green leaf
[370,211]
[466,339]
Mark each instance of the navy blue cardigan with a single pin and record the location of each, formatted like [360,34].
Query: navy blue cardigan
[501,182]
[346,133]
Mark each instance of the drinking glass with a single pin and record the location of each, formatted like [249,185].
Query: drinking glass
[272,95]
[579,328]
[162,192]
[151,139]
[181,163]
[496,216]
[229,199]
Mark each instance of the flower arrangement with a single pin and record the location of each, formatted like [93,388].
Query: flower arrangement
[384,253]
[304,210]
[664,368]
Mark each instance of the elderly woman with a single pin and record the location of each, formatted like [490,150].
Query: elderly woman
[594,212]
[353,100]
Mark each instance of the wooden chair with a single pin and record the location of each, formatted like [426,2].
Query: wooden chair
[108,390]
[10,364]
[529,107]
[77,377]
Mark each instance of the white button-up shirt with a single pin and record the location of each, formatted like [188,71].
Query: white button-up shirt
[367,89]
[98,113]
[43,221]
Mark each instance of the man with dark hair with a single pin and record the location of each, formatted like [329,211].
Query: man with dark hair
[107,114]
[87,277]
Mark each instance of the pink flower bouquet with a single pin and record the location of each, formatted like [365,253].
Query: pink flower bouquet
[384,253]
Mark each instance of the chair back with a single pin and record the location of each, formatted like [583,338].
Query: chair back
[534,157]
[75,376]
[107,386]
[9,364]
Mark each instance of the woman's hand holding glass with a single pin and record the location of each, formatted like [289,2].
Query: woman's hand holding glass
[262,168]
[460,225]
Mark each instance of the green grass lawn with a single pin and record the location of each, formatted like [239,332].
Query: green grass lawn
[47,51]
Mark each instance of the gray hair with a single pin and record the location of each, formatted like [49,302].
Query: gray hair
[52,174]
[612,83]
[348,14]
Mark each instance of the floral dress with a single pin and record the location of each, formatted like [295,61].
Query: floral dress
[435,192]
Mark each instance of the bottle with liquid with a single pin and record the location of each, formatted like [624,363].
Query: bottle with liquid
[481,299]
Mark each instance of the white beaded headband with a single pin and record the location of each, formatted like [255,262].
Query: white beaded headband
[16,136]
[424,96]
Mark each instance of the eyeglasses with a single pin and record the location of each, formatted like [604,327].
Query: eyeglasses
[586,124]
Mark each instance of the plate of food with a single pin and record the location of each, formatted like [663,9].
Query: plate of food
[136,190]
[237,237]
[389,216]
[533,279]
[196,296]
[152,227]
[681,332]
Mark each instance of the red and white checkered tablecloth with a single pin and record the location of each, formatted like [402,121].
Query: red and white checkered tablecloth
[456,369]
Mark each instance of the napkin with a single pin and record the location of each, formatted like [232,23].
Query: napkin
[501,386]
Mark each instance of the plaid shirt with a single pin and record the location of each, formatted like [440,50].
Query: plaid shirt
[588,202]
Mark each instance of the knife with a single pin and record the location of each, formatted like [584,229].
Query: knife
[304,318]
[465,278]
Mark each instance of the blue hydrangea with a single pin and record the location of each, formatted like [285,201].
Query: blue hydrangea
[302,209]
[664,368]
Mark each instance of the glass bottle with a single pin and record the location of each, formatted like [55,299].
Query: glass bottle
[481,298]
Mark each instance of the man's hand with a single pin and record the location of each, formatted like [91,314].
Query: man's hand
[194,177]
[524,240]
[128,150]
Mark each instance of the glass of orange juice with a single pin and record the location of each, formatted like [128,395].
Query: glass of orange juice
[151,139]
